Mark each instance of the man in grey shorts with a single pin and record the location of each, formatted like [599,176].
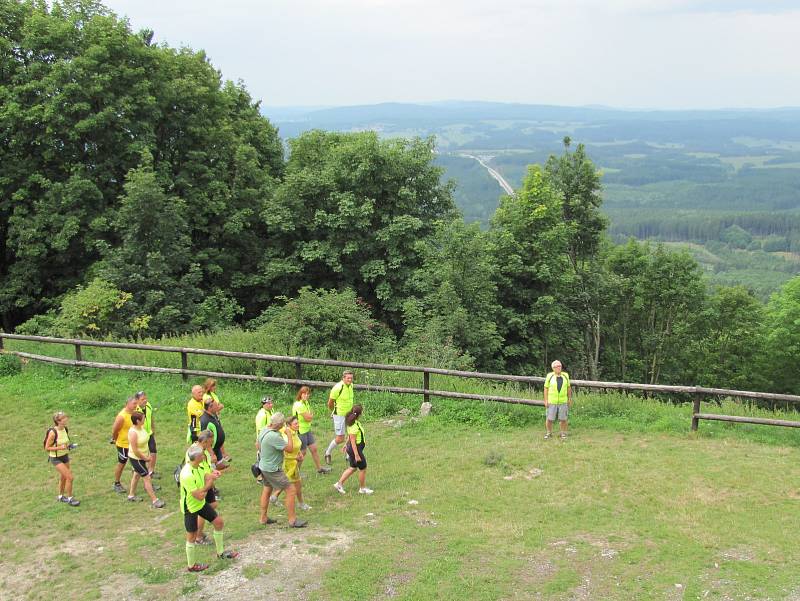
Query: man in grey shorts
[272,445]
[557,399]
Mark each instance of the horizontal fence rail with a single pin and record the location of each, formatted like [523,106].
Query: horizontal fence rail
[698,393]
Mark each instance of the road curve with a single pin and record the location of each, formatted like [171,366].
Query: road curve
[500,180]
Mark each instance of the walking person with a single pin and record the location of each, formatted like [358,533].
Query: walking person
[149,426]
[355,453]
[58,445]
[194,411]
[272,475]
[205,440]
[119,438]
[557,399]
[340,401]
[292,460]
[302,409]
[209,393]
[195,484]
[139,456]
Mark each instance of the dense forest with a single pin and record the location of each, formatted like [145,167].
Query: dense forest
[141,195]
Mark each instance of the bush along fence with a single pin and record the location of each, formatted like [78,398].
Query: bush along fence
[699,394]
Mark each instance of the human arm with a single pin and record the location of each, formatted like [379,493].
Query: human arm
[289,443]
[208,484]
[133,444]
[116,428]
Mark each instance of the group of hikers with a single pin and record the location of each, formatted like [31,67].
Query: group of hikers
[281,444]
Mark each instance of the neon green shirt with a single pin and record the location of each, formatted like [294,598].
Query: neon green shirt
[357,431]
[148,415]
[554,396]
[191,479]
[343,395]
[262,419]
[298,409]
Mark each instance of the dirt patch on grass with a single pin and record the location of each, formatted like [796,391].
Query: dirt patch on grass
[274,564]
[392,584]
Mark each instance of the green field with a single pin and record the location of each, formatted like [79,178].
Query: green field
[632,506]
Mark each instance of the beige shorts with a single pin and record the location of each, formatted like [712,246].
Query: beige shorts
[275,480]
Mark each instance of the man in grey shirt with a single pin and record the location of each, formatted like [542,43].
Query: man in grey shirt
[272,444]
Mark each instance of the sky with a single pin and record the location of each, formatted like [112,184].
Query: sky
[669,54]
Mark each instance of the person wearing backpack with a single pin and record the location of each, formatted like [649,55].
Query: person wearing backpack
[557,399]
[57,444]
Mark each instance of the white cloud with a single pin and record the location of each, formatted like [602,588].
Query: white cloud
[657,53]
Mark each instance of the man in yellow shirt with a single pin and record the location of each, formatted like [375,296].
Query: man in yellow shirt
[557,399]
[119,438]
[194,411]
[340,401]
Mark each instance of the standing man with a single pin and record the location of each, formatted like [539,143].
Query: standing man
[557,399]
[340,400]
[210,421]
[272,475]
[194,411]
[195,484]
[149,426]
[119,438]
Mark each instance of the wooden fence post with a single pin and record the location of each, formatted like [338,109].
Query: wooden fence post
[695,410]
[298,370]
[184,365]
[426,386]
[78,355]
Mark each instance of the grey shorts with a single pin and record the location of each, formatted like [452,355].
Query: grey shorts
[307,440]
[557,412]
[338,425]
[275,480]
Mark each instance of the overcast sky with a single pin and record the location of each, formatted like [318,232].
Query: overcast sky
[623,53]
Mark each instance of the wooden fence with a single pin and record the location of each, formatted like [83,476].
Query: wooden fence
[699,394]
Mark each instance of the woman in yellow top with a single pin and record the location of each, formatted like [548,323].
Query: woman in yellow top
[355,452]
[210,394]
[57,444]
[293,458]
[139,456]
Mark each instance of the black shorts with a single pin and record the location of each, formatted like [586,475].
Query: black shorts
[211,496]
[140,466]
[122,455]
[190,519]
[362,465]
[57,460]
[151,445]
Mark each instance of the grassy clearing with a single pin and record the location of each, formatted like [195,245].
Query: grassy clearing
[631,506]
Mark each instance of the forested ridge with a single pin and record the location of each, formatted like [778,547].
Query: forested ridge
[141,196]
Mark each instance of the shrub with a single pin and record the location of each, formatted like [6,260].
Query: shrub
[10,365]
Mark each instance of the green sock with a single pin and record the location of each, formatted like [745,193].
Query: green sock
[191,553]
[218,541]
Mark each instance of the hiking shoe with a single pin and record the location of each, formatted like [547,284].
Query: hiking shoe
[158,503]
[340,488]
[298,524]
[304,506]
[228,459]
[324,470]
[71,501]
[275,501]
[203,540]
[547,436]
[269,521]
[134,499]
[118,487]
[228,554]
[198,567]
[328,458]
[61,499]
[563,436]
[365,491]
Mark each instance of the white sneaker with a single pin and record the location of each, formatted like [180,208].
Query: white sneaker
[340,488]
[365,491]
[275,501]
[304,506]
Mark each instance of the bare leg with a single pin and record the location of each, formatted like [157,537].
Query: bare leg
[118,471]
[152,465]
[362,478]
[64,479]
[265,494]
[563,425]
[148,486]
[549,425]
[134,483]
[346,474]
[290,513]
[298,490]
[315,455]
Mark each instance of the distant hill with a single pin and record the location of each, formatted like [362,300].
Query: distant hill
[678,169]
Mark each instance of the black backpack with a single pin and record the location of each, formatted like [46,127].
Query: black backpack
[177,474]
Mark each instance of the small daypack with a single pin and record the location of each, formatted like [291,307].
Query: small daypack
[55,436]
[177,474]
